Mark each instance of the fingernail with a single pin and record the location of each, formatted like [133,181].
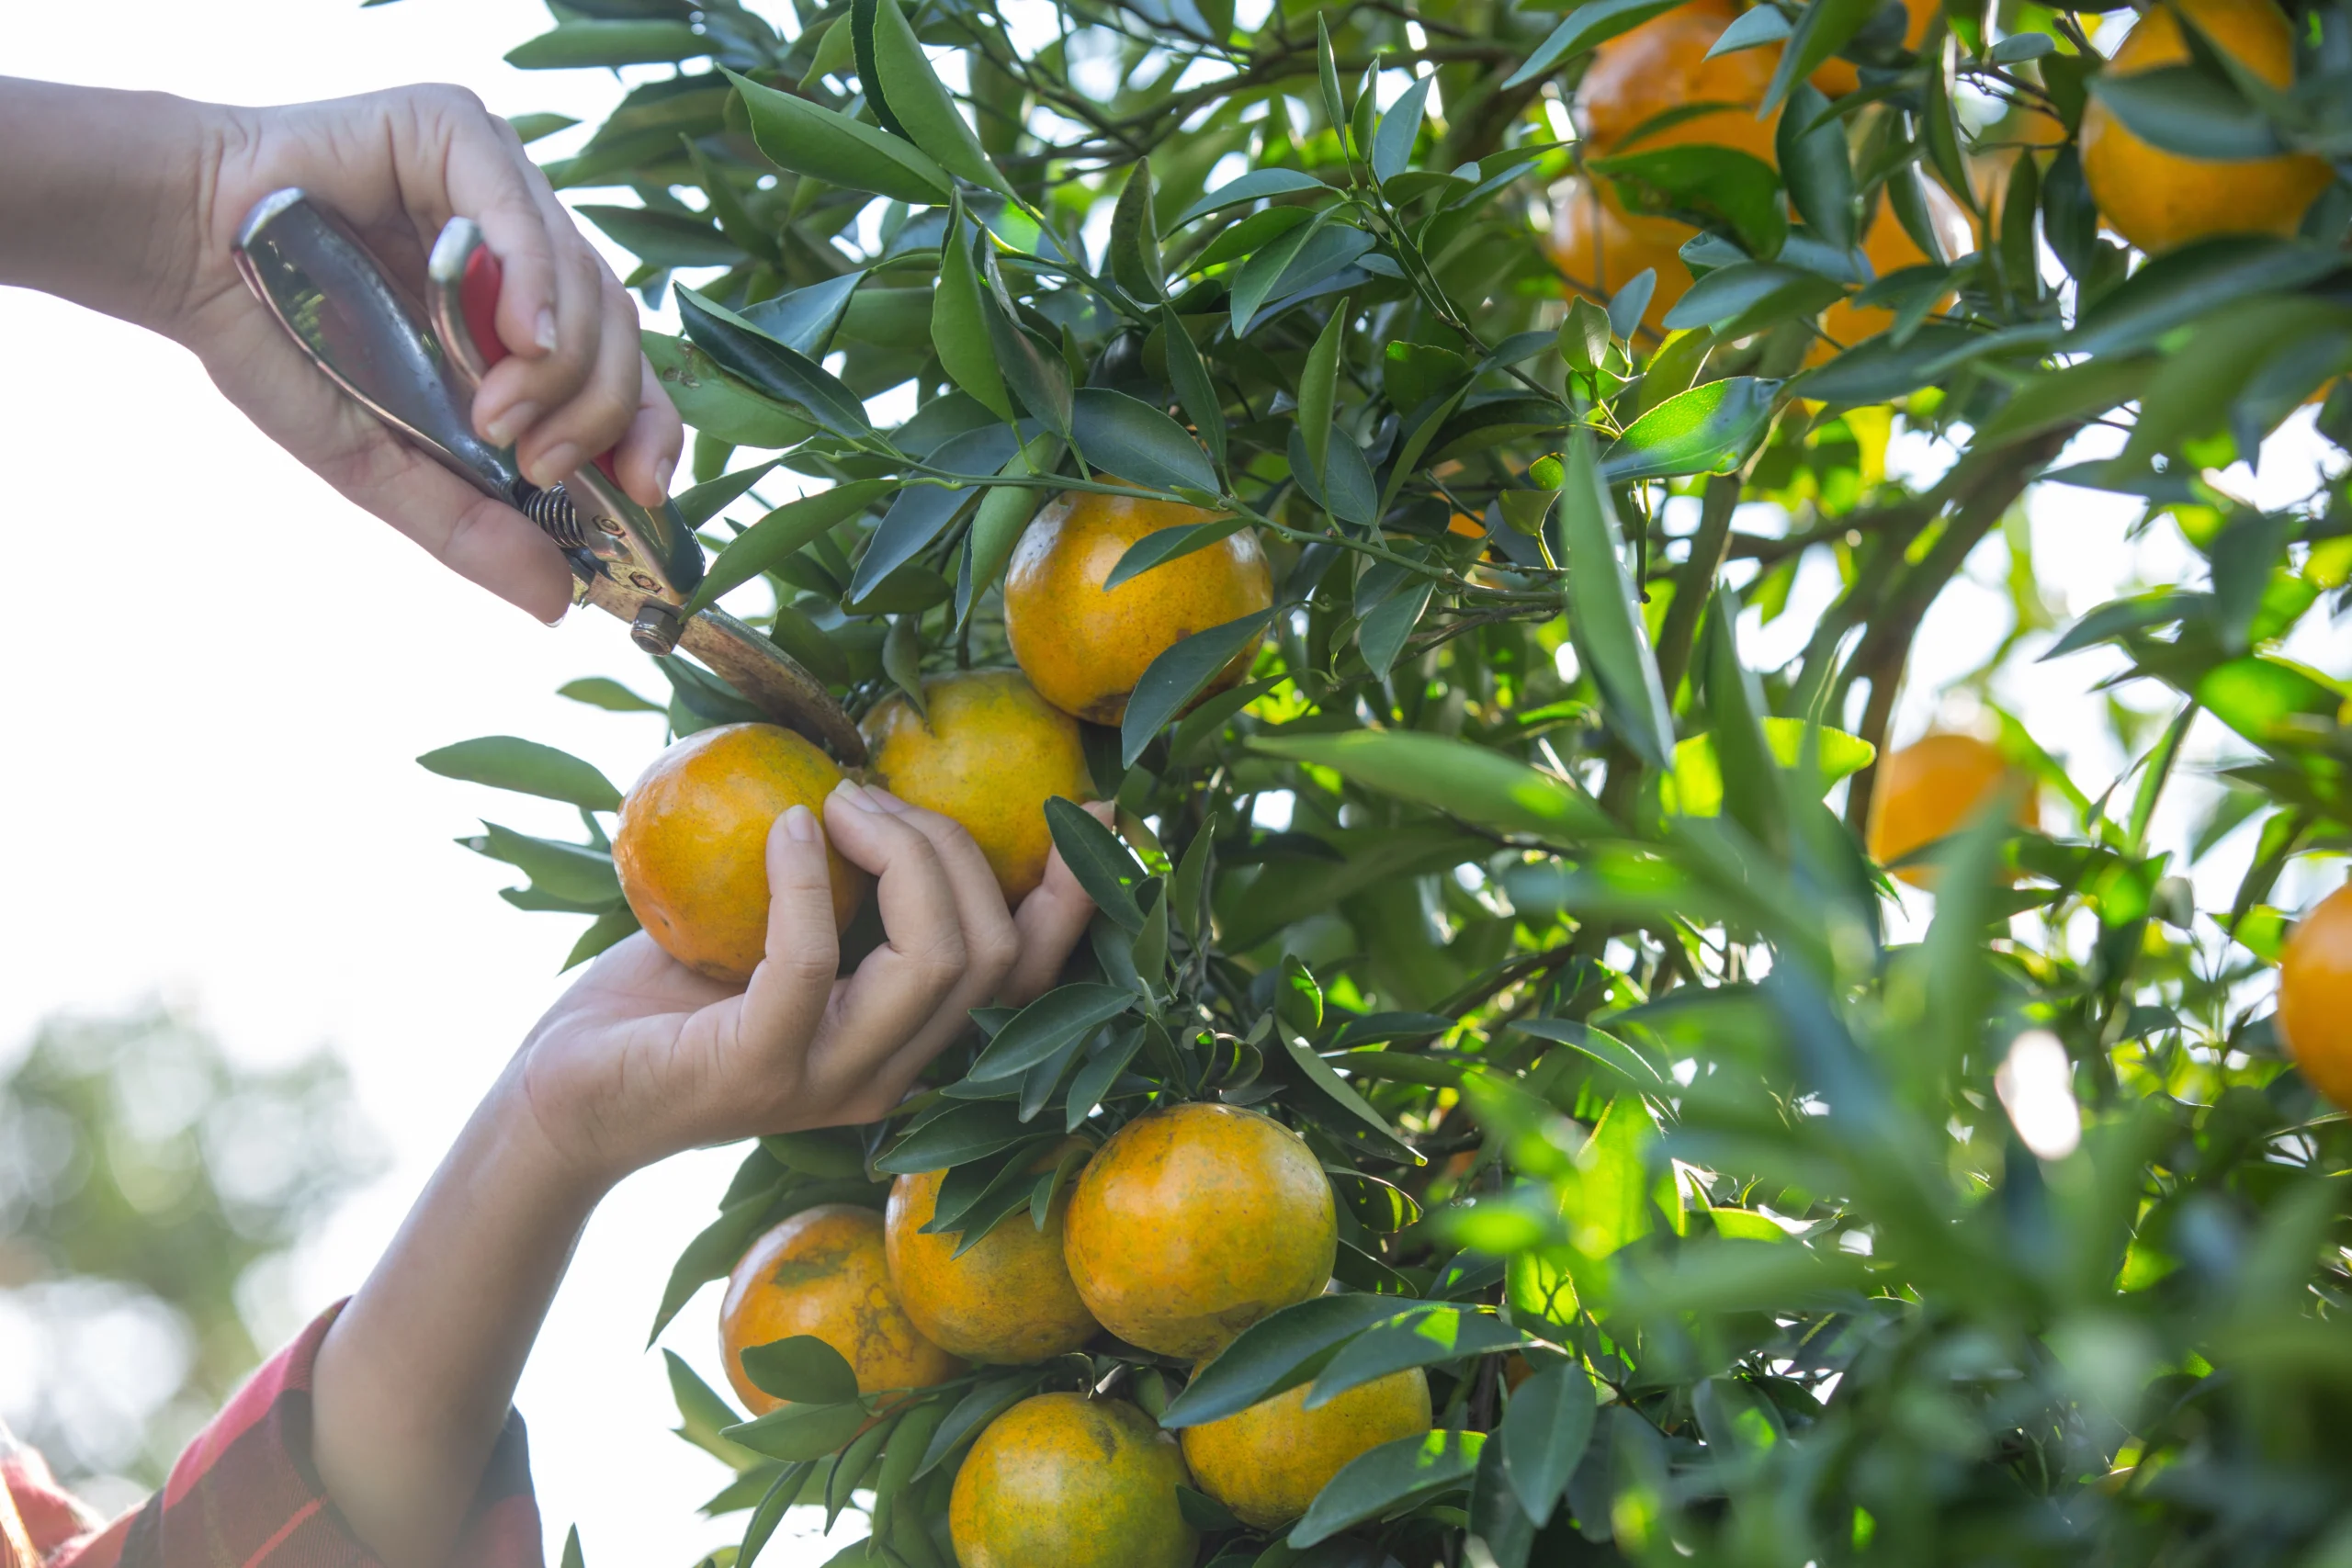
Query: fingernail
[543,330]
[557,619]
[851,794]
[800,825]
[887,801]
[661,472]
[553,465]
[510,423]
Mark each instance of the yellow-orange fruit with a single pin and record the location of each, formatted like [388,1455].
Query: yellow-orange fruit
[1601,249]
[1060,1480]
[1928,791]
[821,1273]
[1009,1299]
[1084,648]
[2158,199]
[692,845]
[1890,248]
[2315,995]
[990,755]
[1662,65]
[1193,1222]
[1838,77]
[1267,1462]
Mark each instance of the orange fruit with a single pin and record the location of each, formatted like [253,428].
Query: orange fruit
[1267,1462]
[1061,1480]
[2315,995]
[692,845]
[1084,648]
[1601,249]
[2158,199]
[1838,77]
[1890,248]
[1928,791]
[990,755]
[1662,65]
[1009,1299]
[1193,1222]
[821,1273]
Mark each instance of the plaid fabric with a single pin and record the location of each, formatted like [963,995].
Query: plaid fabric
[243,1495]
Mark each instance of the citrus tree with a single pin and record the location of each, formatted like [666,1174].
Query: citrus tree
[1491,1123]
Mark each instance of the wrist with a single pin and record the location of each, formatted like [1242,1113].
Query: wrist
[522,1143]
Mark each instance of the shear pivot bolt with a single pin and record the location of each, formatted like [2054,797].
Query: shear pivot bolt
[656,627]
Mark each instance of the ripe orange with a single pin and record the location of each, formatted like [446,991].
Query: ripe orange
[1084,648]
[1061,1480]
[1193,1222]
[821,1273]
[2315,995]
[1890,248]
[1601,249]
[1928,791]
[1662,65]
[692,845]
[1267,1462]
[2158,199]
[1009,1299]
[990,754]
[1838,77]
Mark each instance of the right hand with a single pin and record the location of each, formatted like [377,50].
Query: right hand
[642,1058]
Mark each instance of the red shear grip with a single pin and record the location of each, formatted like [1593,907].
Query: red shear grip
[478,293]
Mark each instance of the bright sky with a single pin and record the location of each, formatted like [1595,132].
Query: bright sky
[212,795]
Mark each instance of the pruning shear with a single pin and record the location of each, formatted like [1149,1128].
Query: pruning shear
[419,376]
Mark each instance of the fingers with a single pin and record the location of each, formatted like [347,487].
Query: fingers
[648,453]
[1048,925]
[990,944]
[787,994]
[492,181]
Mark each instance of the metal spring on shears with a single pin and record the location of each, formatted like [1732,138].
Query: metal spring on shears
[553,512]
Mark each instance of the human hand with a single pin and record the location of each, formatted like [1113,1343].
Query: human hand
[642,1057]
[398,166]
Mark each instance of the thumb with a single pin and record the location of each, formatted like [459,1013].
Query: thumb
[790,988]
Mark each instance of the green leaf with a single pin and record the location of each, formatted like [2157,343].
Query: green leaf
[1816,166]
[2053,398]
[1054,1020]
[1326,77]
[2188,111]
[613,926]
[1122,436]
[1255,186]
[964,1133]
[802,1369]
[525,767]
[1470,782]
[530,127]
[1705,186]
[611,696]
[1318,391]
[782,373]
[959,332]
[1333,1101]
[1038,378]
[2266,700]
[1276,1353]
[975,1410]
[711,1254]
[663,239]
[705,502]
[1392,144]
[1102,863]
[1589,25]
[782,535]
[922,511]
[1746,296]
[1544,1432]
[1097,1073]
[2181,285]
[574,871]
[595,43]
[1822,28]
[1164,545]
[1697,782]
[572,1556]
[1752,28]
[803,319]
[797,1433]
[703,1414]
[1389,1478]
[1421,1339]
[1173,679]
[1000,519]
[716,403]
[1203,1512]
[1135,238]
[1385,629]
[1711,429]
[1603,612]
[1195,393]
[809,138]
[837,1155]
[925,113]
[1939,126]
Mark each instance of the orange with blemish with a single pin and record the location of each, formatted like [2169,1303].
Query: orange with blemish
[1084,648]
[1009,1299]
[1193,1222]
[1061,1480]
[821,1273]
[989,753]
[1267,1462]
[690,848]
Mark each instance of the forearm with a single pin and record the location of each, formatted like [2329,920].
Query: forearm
[100,194]
[415,1380]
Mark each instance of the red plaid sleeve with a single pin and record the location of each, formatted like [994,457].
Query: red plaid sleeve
[243,1495]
